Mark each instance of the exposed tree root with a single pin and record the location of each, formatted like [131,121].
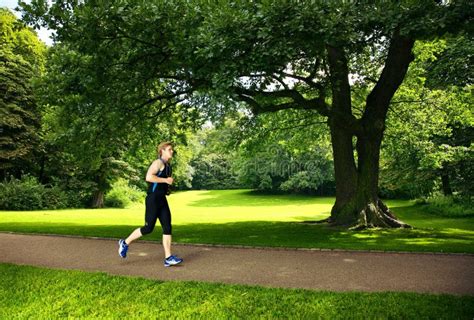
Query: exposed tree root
[377,215]
[372,214]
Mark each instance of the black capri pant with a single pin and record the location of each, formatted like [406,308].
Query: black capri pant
[156,208]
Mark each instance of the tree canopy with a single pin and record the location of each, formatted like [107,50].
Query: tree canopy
[149,56]
[22,57]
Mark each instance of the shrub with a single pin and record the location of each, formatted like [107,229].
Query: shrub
[122,195]
[116,199]
[28,194]
[448,206]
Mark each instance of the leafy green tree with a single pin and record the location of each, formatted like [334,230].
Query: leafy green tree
[430,132]
[21,59]
[452,66]
[100,144]
[247,51]
[214,157]
[213,171]
[270,153]
[286,151]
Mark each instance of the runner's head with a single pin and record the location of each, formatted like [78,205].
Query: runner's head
[165,150]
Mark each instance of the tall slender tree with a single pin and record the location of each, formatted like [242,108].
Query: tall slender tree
[21,59]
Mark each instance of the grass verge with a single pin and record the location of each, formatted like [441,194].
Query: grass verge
[31,292]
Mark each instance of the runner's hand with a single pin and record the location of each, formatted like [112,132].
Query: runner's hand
[169,180]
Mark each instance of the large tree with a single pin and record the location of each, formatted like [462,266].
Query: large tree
[21,59]
[273,55]
[88,145]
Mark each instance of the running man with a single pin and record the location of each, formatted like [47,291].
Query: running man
[159,179]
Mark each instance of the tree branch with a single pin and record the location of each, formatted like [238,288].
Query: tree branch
[339,75]
[160,97]
[396,66]
[161,111]
[341,111]
[280,80]
[298,101]
[125,35]
[409,101]
[308,80]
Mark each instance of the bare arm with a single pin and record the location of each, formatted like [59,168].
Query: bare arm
[156,166]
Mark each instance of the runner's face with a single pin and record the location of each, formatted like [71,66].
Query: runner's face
[168,152]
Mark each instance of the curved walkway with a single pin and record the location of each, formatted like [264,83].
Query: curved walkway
[316,270]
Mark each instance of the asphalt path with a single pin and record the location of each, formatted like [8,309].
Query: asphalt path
[268,267]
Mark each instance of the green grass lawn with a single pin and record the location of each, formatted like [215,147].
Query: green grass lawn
[31,292]
[240,217]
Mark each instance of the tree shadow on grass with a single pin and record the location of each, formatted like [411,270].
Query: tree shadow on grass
[293,234]
[417,216]
[278,234]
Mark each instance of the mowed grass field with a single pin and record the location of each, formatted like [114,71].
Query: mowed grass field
[38,293]
[241,217]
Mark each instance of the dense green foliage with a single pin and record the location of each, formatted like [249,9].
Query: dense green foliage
[29,194]
[99,146]
[430,134]
[122,195]
[288,151]
[255,153]
[453,65]
[122,78]
[214,158]
[272,56]
[448,206]
[21,59]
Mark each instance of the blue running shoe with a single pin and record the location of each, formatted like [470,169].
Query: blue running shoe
[172,261]
[123,248]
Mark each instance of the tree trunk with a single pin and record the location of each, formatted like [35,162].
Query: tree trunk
[358,205]
[345,175]
[341,137]
[101,184]
[98,199]
[41,177]
[447,191]
[371,211]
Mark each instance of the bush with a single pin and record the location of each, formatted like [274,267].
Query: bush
[116,199]
[78,189]
[29,194]
[448,206]
[122,195]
